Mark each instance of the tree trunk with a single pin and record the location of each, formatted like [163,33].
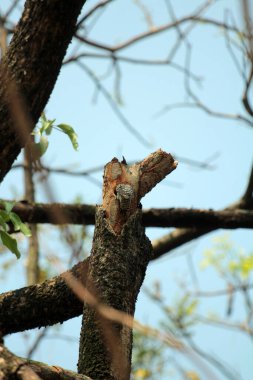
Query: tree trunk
[116,270]
[119,258]
[29,70]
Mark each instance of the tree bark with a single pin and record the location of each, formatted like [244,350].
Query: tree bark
[42,304]
[30,68]
[229,218]
[119,258]
[117,268]
[14,304]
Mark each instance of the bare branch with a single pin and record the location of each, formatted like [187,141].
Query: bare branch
[135,61]
[198,104]
[31,307]
[90,13]
[230,374]
[181,236]
[36,343]
[11,9]
[114,106]
[242,327]
[229,218]
[245,98]
[223,292]
[156,30]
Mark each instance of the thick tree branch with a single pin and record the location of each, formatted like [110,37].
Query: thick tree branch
[199,219]
[31,307]
[175,239]
[38,298]
[48,292]
[172,217]
[29,70]
[48,213]
[14,367]
[184,235]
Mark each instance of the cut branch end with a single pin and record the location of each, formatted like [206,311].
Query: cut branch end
[125,185]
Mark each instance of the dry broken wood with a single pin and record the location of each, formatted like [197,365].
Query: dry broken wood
[124,185]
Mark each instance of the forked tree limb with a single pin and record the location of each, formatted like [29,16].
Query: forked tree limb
[124,185]
[13,304]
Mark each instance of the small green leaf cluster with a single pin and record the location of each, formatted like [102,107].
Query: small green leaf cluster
[228,261]
[39,148]
[7,217]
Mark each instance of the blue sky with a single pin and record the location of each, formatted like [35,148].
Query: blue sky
[187,132]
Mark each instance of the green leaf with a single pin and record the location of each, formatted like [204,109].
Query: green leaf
[3,223]
[246,266]
[43,117]
[43,145]
[191,308]
[16,221]
[10,243]
[25,230]
[40,148]
[47,127]
[8,205]
[5,216]
[68,130]
[19,225]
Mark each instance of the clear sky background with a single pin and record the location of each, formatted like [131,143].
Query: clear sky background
[186,132]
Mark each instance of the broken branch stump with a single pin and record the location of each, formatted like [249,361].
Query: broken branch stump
[119,258]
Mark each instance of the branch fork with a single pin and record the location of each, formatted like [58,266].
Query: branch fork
[125,185]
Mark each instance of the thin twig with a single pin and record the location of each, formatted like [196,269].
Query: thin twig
[92,11]
[155,31]
[114,107]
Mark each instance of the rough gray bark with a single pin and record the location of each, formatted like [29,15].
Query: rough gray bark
[119,258]
[116,270]
[30,68]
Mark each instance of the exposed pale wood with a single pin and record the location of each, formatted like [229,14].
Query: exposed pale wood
[135,181]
